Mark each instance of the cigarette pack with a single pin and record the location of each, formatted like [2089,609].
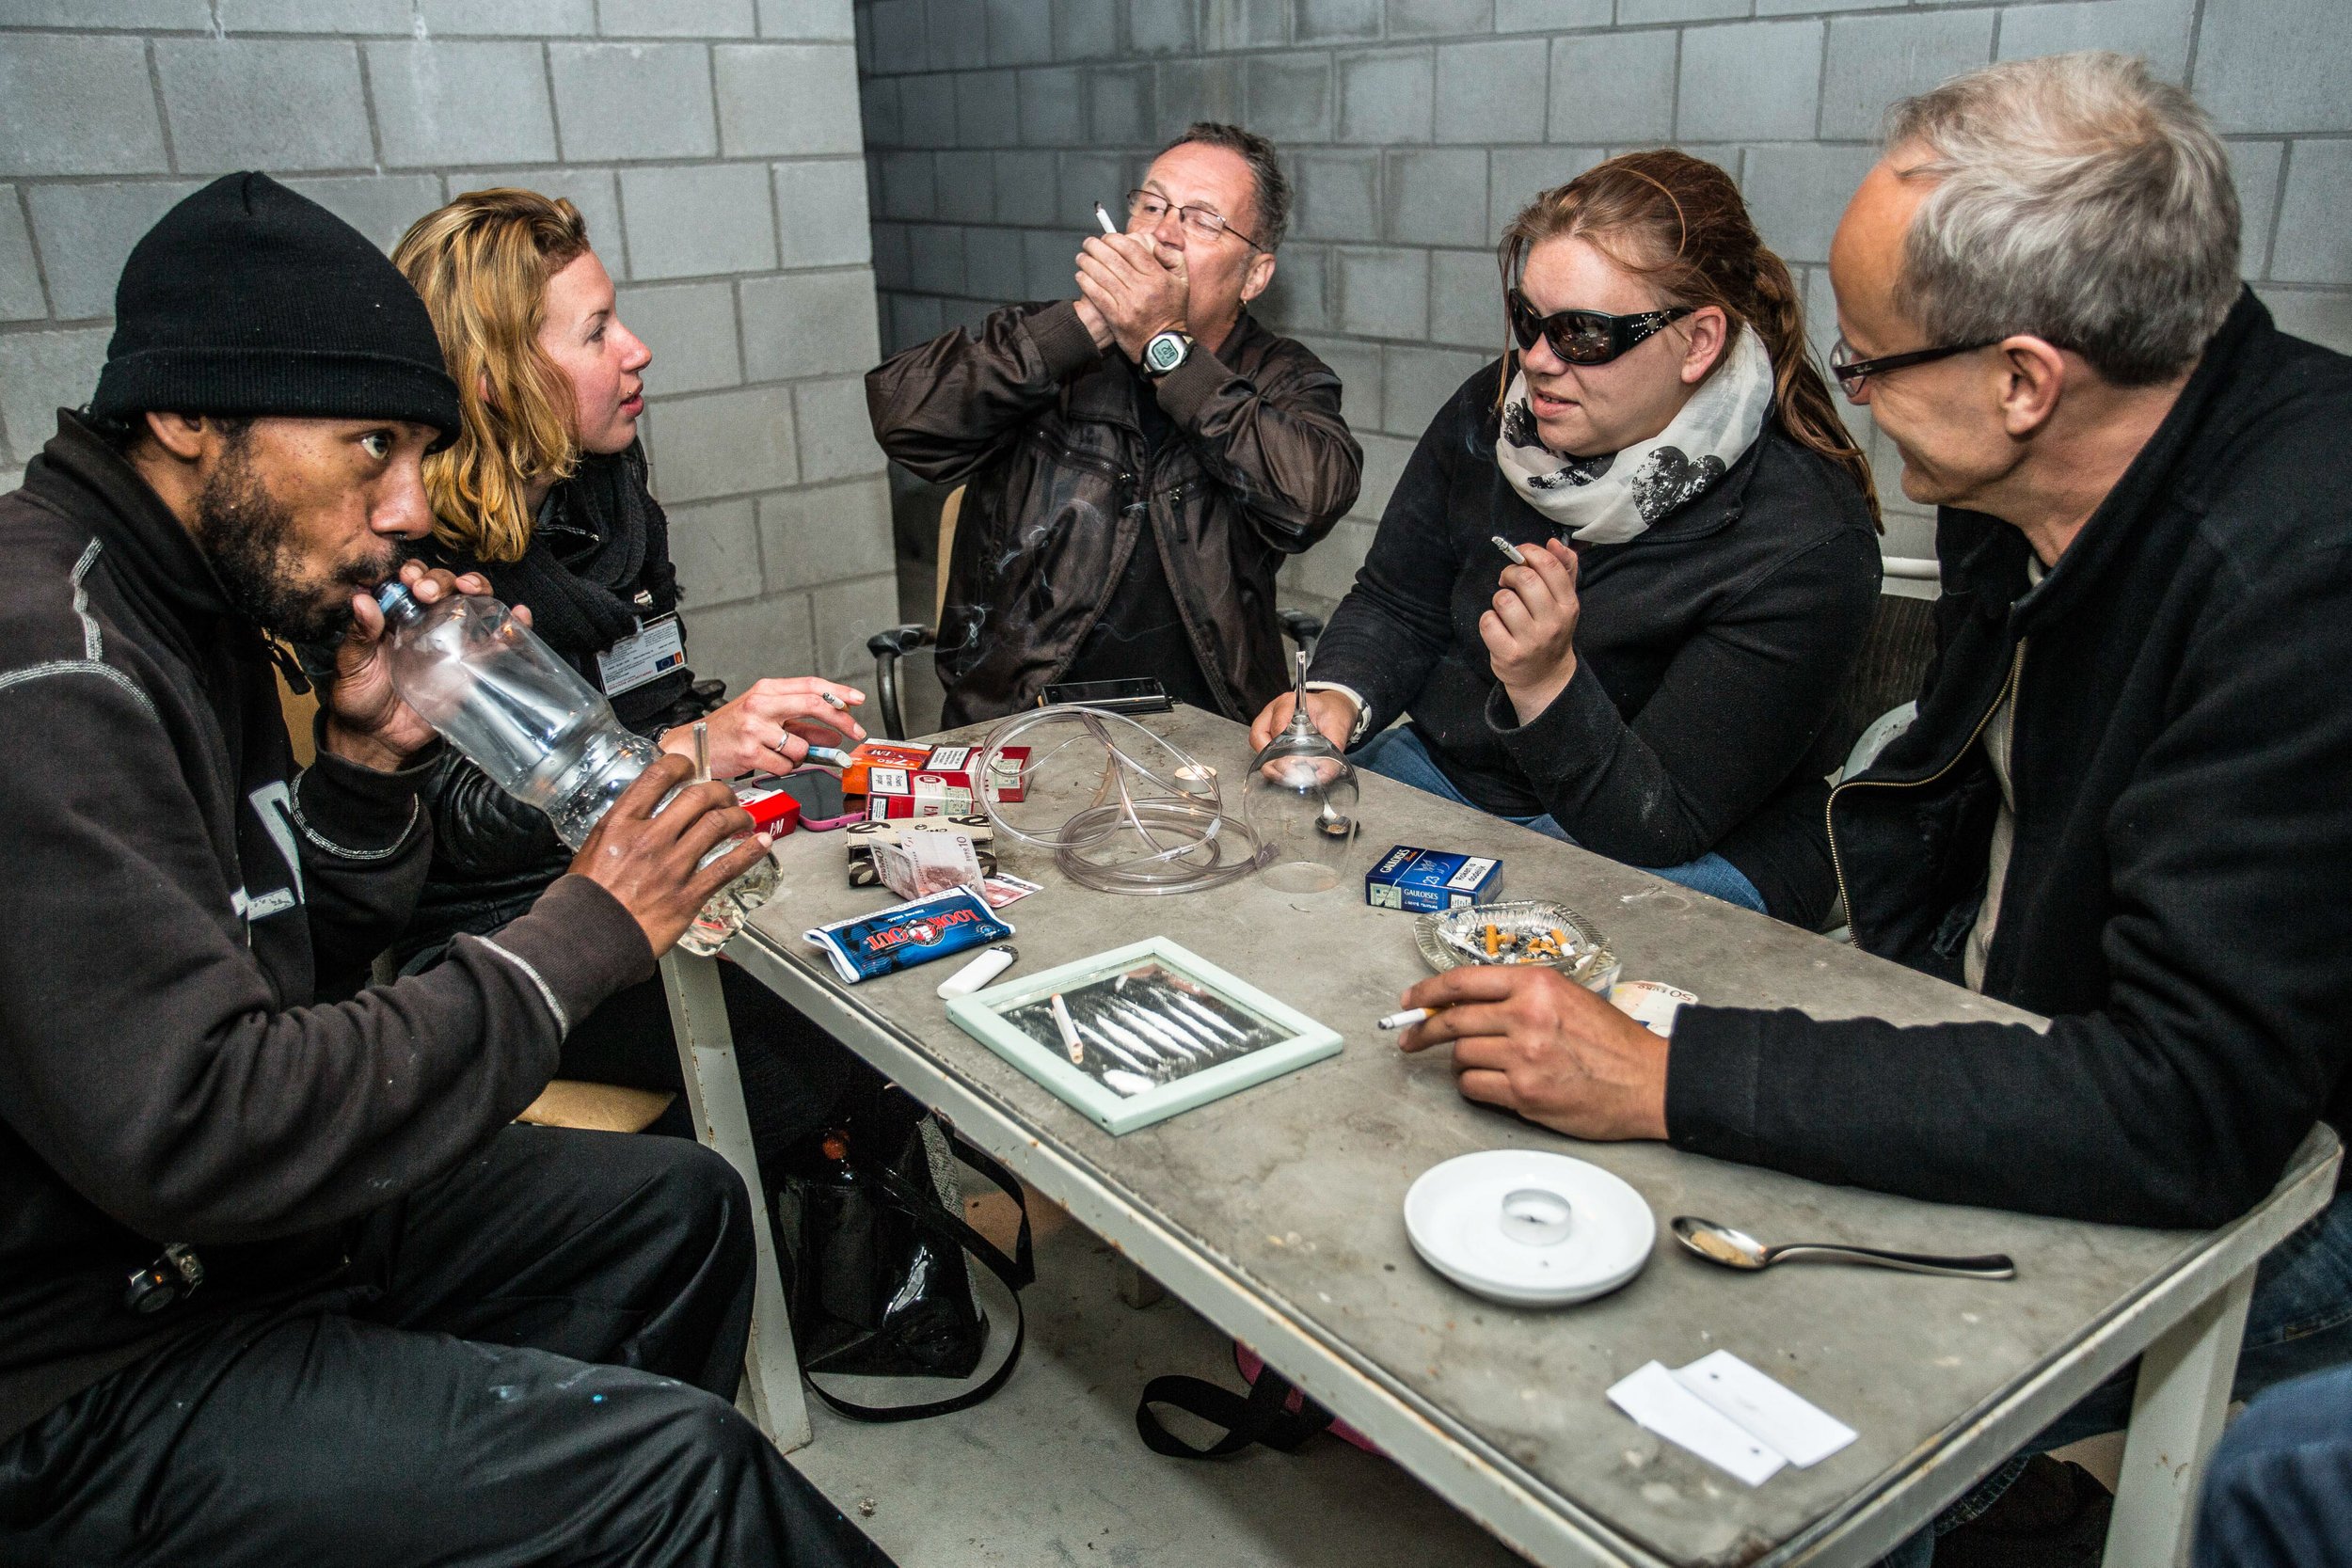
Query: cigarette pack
[1008,775]
[1427,880]
[938,788]
[871,754]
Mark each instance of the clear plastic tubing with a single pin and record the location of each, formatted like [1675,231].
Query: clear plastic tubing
[1174,822]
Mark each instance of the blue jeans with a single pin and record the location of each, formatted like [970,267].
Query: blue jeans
[2279,1492]
[2298,1323]
[1398,753]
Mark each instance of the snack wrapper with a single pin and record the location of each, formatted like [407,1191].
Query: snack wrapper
[908,934]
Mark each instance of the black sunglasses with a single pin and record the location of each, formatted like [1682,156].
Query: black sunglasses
[1852,373]
[1585,337]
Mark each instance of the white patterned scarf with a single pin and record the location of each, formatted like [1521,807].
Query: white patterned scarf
[1611,498]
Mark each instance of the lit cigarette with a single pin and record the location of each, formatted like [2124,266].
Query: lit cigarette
[835,702]
[1069,1040]
[832,757]
[1404,1019]
[1510,551]
[1105,219]
[701,752]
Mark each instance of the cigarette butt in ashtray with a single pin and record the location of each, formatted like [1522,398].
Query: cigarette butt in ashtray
[1510,552]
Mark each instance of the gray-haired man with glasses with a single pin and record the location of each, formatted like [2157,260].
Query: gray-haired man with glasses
[1138,460]
[2121,806]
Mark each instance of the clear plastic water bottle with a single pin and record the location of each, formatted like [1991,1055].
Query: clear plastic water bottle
[488,685]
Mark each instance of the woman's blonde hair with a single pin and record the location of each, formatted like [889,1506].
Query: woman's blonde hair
[482,265]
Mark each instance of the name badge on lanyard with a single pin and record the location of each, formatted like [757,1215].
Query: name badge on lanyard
[653,650]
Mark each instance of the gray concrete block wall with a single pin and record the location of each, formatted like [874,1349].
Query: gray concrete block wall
[1414,129]
[714,147]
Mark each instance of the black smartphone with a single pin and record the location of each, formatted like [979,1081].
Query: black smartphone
[1143,696]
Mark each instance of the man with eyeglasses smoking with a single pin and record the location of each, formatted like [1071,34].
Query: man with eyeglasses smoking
[1137,461]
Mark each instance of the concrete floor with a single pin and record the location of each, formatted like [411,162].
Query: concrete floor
[1050,1471]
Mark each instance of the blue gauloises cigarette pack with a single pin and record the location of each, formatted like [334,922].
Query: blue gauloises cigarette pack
[1429,881]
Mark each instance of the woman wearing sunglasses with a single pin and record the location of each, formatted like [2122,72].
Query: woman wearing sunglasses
[1656,682]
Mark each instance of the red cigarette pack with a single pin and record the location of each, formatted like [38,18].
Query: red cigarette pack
[942,784]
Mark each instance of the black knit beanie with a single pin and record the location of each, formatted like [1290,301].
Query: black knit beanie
[250,299]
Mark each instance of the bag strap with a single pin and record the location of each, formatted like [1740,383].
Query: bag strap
[1262,1417]
[1017,1273]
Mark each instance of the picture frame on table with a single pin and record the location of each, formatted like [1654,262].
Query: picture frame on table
[1202,1033]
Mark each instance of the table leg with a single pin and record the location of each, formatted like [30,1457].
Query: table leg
[2177,1412]
[714,1093]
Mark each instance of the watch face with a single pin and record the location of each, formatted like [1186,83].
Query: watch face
[1164,351]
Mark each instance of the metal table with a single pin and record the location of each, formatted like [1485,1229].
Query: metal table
[1277,1214]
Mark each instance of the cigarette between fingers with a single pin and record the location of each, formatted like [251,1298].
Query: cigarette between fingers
[1510,551]
[1404,1019]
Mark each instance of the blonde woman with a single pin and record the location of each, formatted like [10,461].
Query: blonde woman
[544,493]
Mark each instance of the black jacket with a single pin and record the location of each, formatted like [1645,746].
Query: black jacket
[1043,428]
[1710,652]
[180,898]
[2179,901]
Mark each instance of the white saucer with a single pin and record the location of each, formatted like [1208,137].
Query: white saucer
[1529,1228]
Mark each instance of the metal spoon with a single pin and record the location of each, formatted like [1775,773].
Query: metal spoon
[1737,1249]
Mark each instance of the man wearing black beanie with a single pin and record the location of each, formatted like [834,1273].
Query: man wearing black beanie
[279,1280]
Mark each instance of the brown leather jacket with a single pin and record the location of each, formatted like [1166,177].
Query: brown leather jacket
[1043,431]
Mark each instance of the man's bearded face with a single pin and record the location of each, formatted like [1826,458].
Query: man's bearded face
[271,573]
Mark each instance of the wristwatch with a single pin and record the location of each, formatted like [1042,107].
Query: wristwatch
[1165,352]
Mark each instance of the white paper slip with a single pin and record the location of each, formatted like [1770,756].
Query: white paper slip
[1776,1416]
[1653,1398]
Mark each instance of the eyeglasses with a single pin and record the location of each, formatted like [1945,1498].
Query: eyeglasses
[1202,221]
[1586,337]
[1852,373]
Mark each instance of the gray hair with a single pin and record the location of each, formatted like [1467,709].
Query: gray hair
[1271,186]
[2077,198]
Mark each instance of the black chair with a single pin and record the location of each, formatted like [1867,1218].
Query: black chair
[1896,652]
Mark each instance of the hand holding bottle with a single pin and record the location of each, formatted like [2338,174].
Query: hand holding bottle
[366,721]
[648,861]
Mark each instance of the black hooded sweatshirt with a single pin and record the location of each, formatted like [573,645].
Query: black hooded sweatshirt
[2178,896]
[180,898]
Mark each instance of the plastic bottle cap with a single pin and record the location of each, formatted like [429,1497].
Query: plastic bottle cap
[394,597]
